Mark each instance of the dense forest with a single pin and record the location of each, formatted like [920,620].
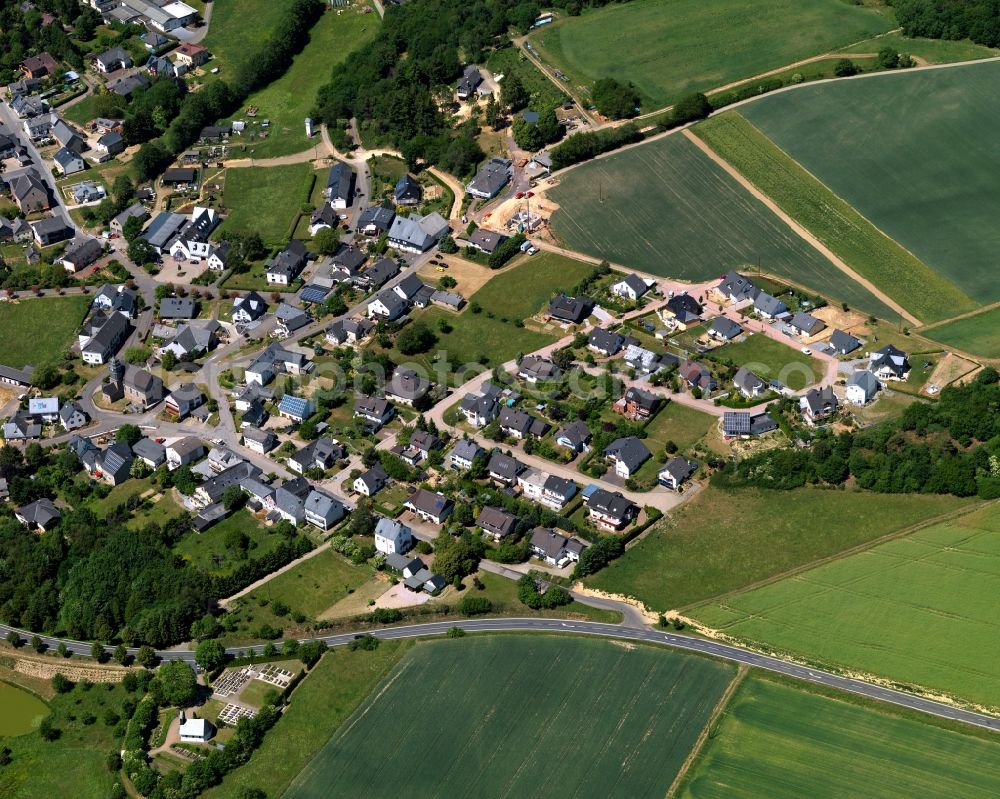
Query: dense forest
[978,20]
[22,33]
[948,447]
[97,578]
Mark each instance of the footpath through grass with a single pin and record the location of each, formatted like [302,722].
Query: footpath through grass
[491,716]
[776,741]
[929,184]
[37,331]
[874,256]
[320,705]
[666,208]
[669,48]
[723,540]
[918,610]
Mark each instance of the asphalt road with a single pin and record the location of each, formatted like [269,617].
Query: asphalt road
[686,643]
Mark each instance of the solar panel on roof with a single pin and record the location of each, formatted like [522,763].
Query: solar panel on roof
[314,294]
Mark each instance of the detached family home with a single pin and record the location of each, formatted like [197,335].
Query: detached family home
[627,454]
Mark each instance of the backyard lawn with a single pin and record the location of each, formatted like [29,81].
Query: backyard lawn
[39,330]
[266,200]
[678,423]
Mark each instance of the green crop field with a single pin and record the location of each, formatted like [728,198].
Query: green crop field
[834,222]
[783,743]
[918,610]
[521,716]
[977,335]
[325,699]
[266,200]
[771,360]
[725,540]
[928,184]
[290,99]
[37,331]
[667,209]
[669,48]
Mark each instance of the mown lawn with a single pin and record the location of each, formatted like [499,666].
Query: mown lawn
[485,707]
[678,423]
[777,741]
[917,610]
[771,360]
[39,330]
[290,99]
[524,289]
[314,585]
[320,705]
[723,540]
[669,48]
[266,200]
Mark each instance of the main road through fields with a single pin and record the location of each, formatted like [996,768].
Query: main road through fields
[687,643]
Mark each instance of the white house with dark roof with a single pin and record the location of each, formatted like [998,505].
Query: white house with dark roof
[749,385]
[676,472]
[627,454]
[608,509]
[861,388]
[430,505]
[392,537]
[631,287]
[889,363]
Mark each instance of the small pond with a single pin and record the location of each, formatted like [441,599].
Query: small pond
[20,711]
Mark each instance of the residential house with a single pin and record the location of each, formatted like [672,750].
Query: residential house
[519,424]
[387,305]
[749,385]
[429,505]
[818,403]
[407,192]
[806,325]
[735,287]
[575,436]
[81,253]
[604,342]
[504,469]
[681,311]
[339,191]
[184,451]
[464,453]
[843,343]
[105,342]
[769,307]
[407,388]
[374,221]
[51,230]
[496,523]
[696,375]
[570,310]
[631,287]
[39,66]
[369,483]
[298,409]
[535,369]
[554,548]
[128,85]
[112,60]
[191,54]
[889,363]
[260,495]
[647,361]
[72,416]
[490,179]
[150,451]
[532,483]
[67,138]
[627,454]
[114,464]
[323,511]
[109,145]
[743,424]
[637,404]
[471,80]
[374,410]
[259,441]
[163,230]
[608,509]
[42,514]
[861,388]
[183,399]
[417,234]
[448,299]
[193,340]
[321,454]
[192,241]
[31,195]
[557,492]
[290,319]
[211,490]
[392,537]
[287,264]
[486,241]
[21,427]
[86,191]
[290,500]
[676,471]
[248,308]
[348,331]
[481,409]
[222,458]
[724,329]
[377,275]
[45,409]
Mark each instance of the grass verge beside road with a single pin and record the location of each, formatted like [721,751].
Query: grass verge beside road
[833,221]
[724,540]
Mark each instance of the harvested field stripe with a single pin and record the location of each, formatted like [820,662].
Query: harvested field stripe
[853,239]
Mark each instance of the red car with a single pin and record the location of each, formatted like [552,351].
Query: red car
[519,195]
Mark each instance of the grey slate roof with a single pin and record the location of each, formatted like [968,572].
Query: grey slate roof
[629,451]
